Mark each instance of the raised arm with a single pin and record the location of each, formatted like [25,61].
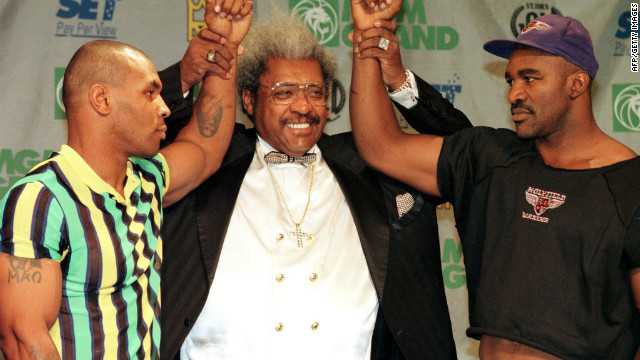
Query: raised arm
[412,159]
[200,146]
[30,295]
[430,113]
[182,76]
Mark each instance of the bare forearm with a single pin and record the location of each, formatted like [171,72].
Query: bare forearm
[214,113]
[372,118]
[409,158]
[200,146]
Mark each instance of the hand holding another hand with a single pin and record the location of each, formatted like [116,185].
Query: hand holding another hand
[212,50]
[229,18]
[194,65]
[368,45]
[366,12]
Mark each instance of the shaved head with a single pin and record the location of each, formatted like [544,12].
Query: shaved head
[99,61]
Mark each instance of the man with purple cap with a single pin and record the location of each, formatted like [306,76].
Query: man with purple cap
[548,214]
[554,34]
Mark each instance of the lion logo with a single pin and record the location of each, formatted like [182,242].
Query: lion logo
[626,107]
[320,17]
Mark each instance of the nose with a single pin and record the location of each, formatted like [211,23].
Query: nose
[300,104]
[163,109]
[516,93]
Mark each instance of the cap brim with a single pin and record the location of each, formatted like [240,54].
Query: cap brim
[504,47]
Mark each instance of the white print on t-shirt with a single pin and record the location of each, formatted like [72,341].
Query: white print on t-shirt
[542,201]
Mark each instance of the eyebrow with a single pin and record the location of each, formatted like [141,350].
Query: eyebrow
[156,84]
[523,72]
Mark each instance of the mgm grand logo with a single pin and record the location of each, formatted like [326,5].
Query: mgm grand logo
[626,107]
[524,15]
[320,16]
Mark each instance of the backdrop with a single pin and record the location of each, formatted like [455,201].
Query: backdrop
[441,41]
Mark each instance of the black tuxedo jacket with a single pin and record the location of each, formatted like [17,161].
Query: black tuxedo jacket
[402,254]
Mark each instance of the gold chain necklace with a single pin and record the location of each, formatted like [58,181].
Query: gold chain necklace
[298,234]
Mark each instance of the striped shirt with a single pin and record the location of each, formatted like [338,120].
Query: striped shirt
[108,246]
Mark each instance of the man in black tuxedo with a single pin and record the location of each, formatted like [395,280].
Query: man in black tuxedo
[296,248]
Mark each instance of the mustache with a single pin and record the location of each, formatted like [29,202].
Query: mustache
[520,105]
[297,118]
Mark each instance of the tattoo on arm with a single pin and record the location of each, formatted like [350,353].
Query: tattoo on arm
[209,114]
[23,270]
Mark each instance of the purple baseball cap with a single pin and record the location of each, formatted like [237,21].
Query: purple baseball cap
[558,35]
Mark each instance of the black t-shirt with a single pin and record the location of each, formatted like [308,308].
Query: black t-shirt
[546,249]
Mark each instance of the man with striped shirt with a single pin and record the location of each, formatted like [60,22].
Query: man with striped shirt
[80,245]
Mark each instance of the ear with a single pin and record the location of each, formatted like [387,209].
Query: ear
[100,99]
[248,101]
[327,110]
[579,82]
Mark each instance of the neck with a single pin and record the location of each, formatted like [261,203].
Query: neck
[583,146]
[110,166]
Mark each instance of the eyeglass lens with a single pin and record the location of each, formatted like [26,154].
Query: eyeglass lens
[284,93]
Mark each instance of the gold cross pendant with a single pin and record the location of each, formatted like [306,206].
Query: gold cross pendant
[299,235]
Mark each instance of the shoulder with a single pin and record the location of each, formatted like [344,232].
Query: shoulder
[41,175]
[622,179]
[241,133]
[40,193]
[339,146]
[242,143]
[341,139]
[500,136]
[151,170]
[28,191]
[618,152]
[602,151]
[486,142]
[156,164]
[340,150]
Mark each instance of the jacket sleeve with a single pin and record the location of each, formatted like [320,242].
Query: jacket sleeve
[181,107]
[433,114]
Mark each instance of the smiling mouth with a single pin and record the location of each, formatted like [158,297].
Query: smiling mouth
[298,126]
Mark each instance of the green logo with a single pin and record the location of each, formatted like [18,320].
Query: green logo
[59,106]
[626,107]
[321,16]
[332,24]
[13,166]
[453,272]
[413,32]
